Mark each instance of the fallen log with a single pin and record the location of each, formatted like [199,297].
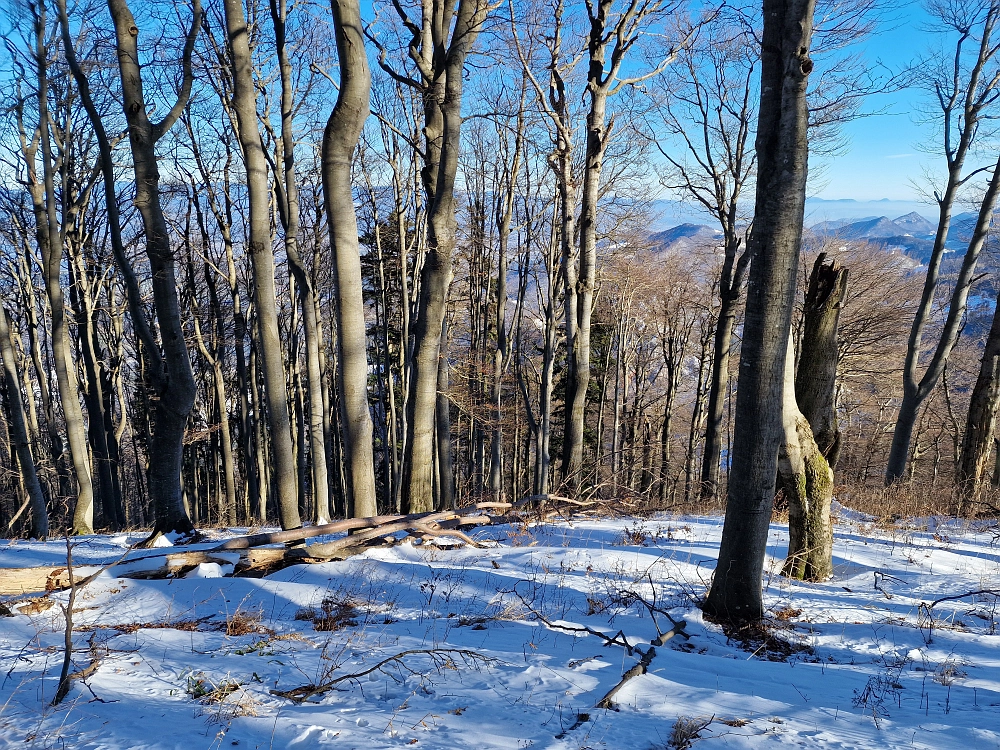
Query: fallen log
[20,581]
[249,553]
[350,524]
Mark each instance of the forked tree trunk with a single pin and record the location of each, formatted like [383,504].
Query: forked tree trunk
[915,391]
[963,94]
[343,130]
[807,481]
[50,241]
[283,470]
[782,156]
[167,363]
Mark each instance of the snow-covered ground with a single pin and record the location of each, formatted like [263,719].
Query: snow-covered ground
[862,664]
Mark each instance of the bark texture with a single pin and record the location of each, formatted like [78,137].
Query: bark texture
[980,424]
[244,102]
[816,377]
[782,157]
[807,481]
[343,130]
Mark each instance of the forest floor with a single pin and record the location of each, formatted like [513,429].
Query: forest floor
[499,653]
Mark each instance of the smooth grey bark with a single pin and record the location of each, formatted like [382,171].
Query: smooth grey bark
[288,211]
[445,465]
[916,391]
[438,49]
[167,363]
[50,242]
[340,139]
[39,520]
[816,376]
[782,158]
[963,102]
[980,423]
[244,103]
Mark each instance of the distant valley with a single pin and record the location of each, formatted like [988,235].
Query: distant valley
[911,234]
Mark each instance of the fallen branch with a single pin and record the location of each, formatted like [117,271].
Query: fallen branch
[609,640]
[639,669]
[440,657]
[352,524]
[19,581]
[955,597]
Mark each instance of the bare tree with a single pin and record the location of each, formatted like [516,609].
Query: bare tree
[965,85]
[782,159]
[709,106]
[340,139]
[168,367]
[439,45]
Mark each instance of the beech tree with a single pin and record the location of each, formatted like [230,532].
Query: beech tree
[965,84]
[340,139]
[782,167]
[167,365]
[439,44]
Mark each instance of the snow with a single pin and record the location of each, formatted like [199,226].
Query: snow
[865,666]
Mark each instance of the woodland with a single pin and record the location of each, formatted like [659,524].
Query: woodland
[282,263]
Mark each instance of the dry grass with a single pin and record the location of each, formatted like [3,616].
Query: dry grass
[888,505]
[245,621]
[686,730]
[333,614]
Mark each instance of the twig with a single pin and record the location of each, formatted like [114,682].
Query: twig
[608,639]
[65,677]
[989,592]
[441,657]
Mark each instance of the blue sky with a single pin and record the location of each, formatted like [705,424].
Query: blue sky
[883,157]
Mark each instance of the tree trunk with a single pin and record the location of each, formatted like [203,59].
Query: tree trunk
[980,425]
[288,204]
[50,237]
[343,130]
[782,155]
[169,367]
[441,62]
[807,481]
[816,378]
[283,470]
[39,520]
